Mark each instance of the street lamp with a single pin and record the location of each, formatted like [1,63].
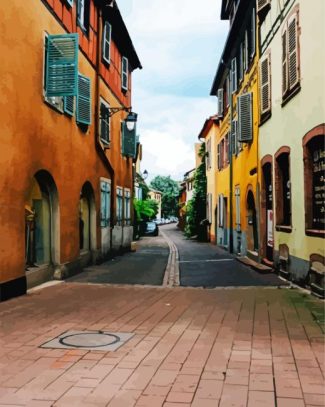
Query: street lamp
[131,120]
[145,174]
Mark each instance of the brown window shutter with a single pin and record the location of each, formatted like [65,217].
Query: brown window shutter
[292,33]
[265,84]
[220,102]
[284,63]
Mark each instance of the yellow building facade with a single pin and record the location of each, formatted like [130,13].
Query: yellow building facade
[236,86]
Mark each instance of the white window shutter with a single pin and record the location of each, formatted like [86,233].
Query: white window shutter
[253,33]
[292,51]
[233,75]
[246,59]
[220,102]
[285,84]
[262,4]
[265,84]
[241,61]
[245,119]
[234,136]
[228,89]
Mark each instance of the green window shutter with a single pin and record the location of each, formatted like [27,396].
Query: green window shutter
[62,65]
[245,119]
[107,41]
[69,105]
[128,141]
[83,100]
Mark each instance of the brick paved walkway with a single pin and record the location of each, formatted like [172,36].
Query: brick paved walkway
[192,347]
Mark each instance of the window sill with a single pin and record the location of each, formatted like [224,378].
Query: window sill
[265,117]
[315,232]
[53,106]
[290,94]
[106,144]
[283,228]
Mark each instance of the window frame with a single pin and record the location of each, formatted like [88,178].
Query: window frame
[107,59]
[308,140]
[103,102]
[106,219]
[283,219]
[83,22]
[119,206]
[127,207]
[124,74]
[56,102]
[290,89]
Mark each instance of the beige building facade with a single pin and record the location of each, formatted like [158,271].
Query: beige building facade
[291,138]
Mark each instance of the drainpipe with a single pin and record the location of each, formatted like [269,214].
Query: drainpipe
[99,148]
[231,235]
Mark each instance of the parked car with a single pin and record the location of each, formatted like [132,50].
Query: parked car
[151,229]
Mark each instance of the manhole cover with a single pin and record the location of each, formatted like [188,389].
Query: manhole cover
[89,340]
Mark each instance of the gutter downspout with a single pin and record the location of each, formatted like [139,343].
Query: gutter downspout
[99,148]
[231,235]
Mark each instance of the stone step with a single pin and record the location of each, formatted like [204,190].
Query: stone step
[261,268]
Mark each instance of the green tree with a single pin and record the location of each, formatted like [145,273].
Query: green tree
[145,209]
[170,190]
[196,207]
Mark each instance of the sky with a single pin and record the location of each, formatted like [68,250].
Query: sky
[179,44]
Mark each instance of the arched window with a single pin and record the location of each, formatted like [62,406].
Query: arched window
[283,189]
[314,175]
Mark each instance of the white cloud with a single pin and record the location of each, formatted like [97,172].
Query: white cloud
[179,43]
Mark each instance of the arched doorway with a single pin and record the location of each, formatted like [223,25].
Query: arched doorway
[252,236]
[42,221]
[87,219]
[267,211]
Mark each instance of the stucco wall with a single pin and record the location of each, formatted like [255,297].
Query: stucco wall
[288,124]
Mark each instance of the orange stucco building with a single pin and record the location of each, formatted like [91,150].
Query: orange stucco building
[66,188]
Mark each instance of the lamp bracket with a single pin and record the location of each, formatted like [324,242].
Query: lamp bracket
[113,110]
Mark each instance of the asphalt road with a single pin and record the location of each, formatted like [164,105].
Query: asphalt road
[206,265]
[145,266]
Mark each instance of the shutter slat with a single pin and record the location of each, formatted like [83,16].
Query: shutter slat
[245,118]
[84,100]
[220,102]
[284,63]
[69,105]
[62,65]
[292,52]
[265,84]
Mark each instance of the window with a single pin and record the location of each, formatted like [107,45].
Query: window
[283,188]
[253,35]
[241,61]
[263,6]
[233,75]
[83,7]
[221,210]
[55,101]
[69,2]
[265,84]
[226,154]
[104,122]
[124,73]
[237,201]
[290,56]
[61,65]
[227,90]
[208,154]
[209,207]
[314,175]
[245,119]
[220,102]
[107,41]
[105,207]
[222,153]
[83,100]
[127,206]
[119,206]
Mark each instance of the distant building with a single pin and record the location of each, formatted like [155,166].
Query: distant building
[156,196]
